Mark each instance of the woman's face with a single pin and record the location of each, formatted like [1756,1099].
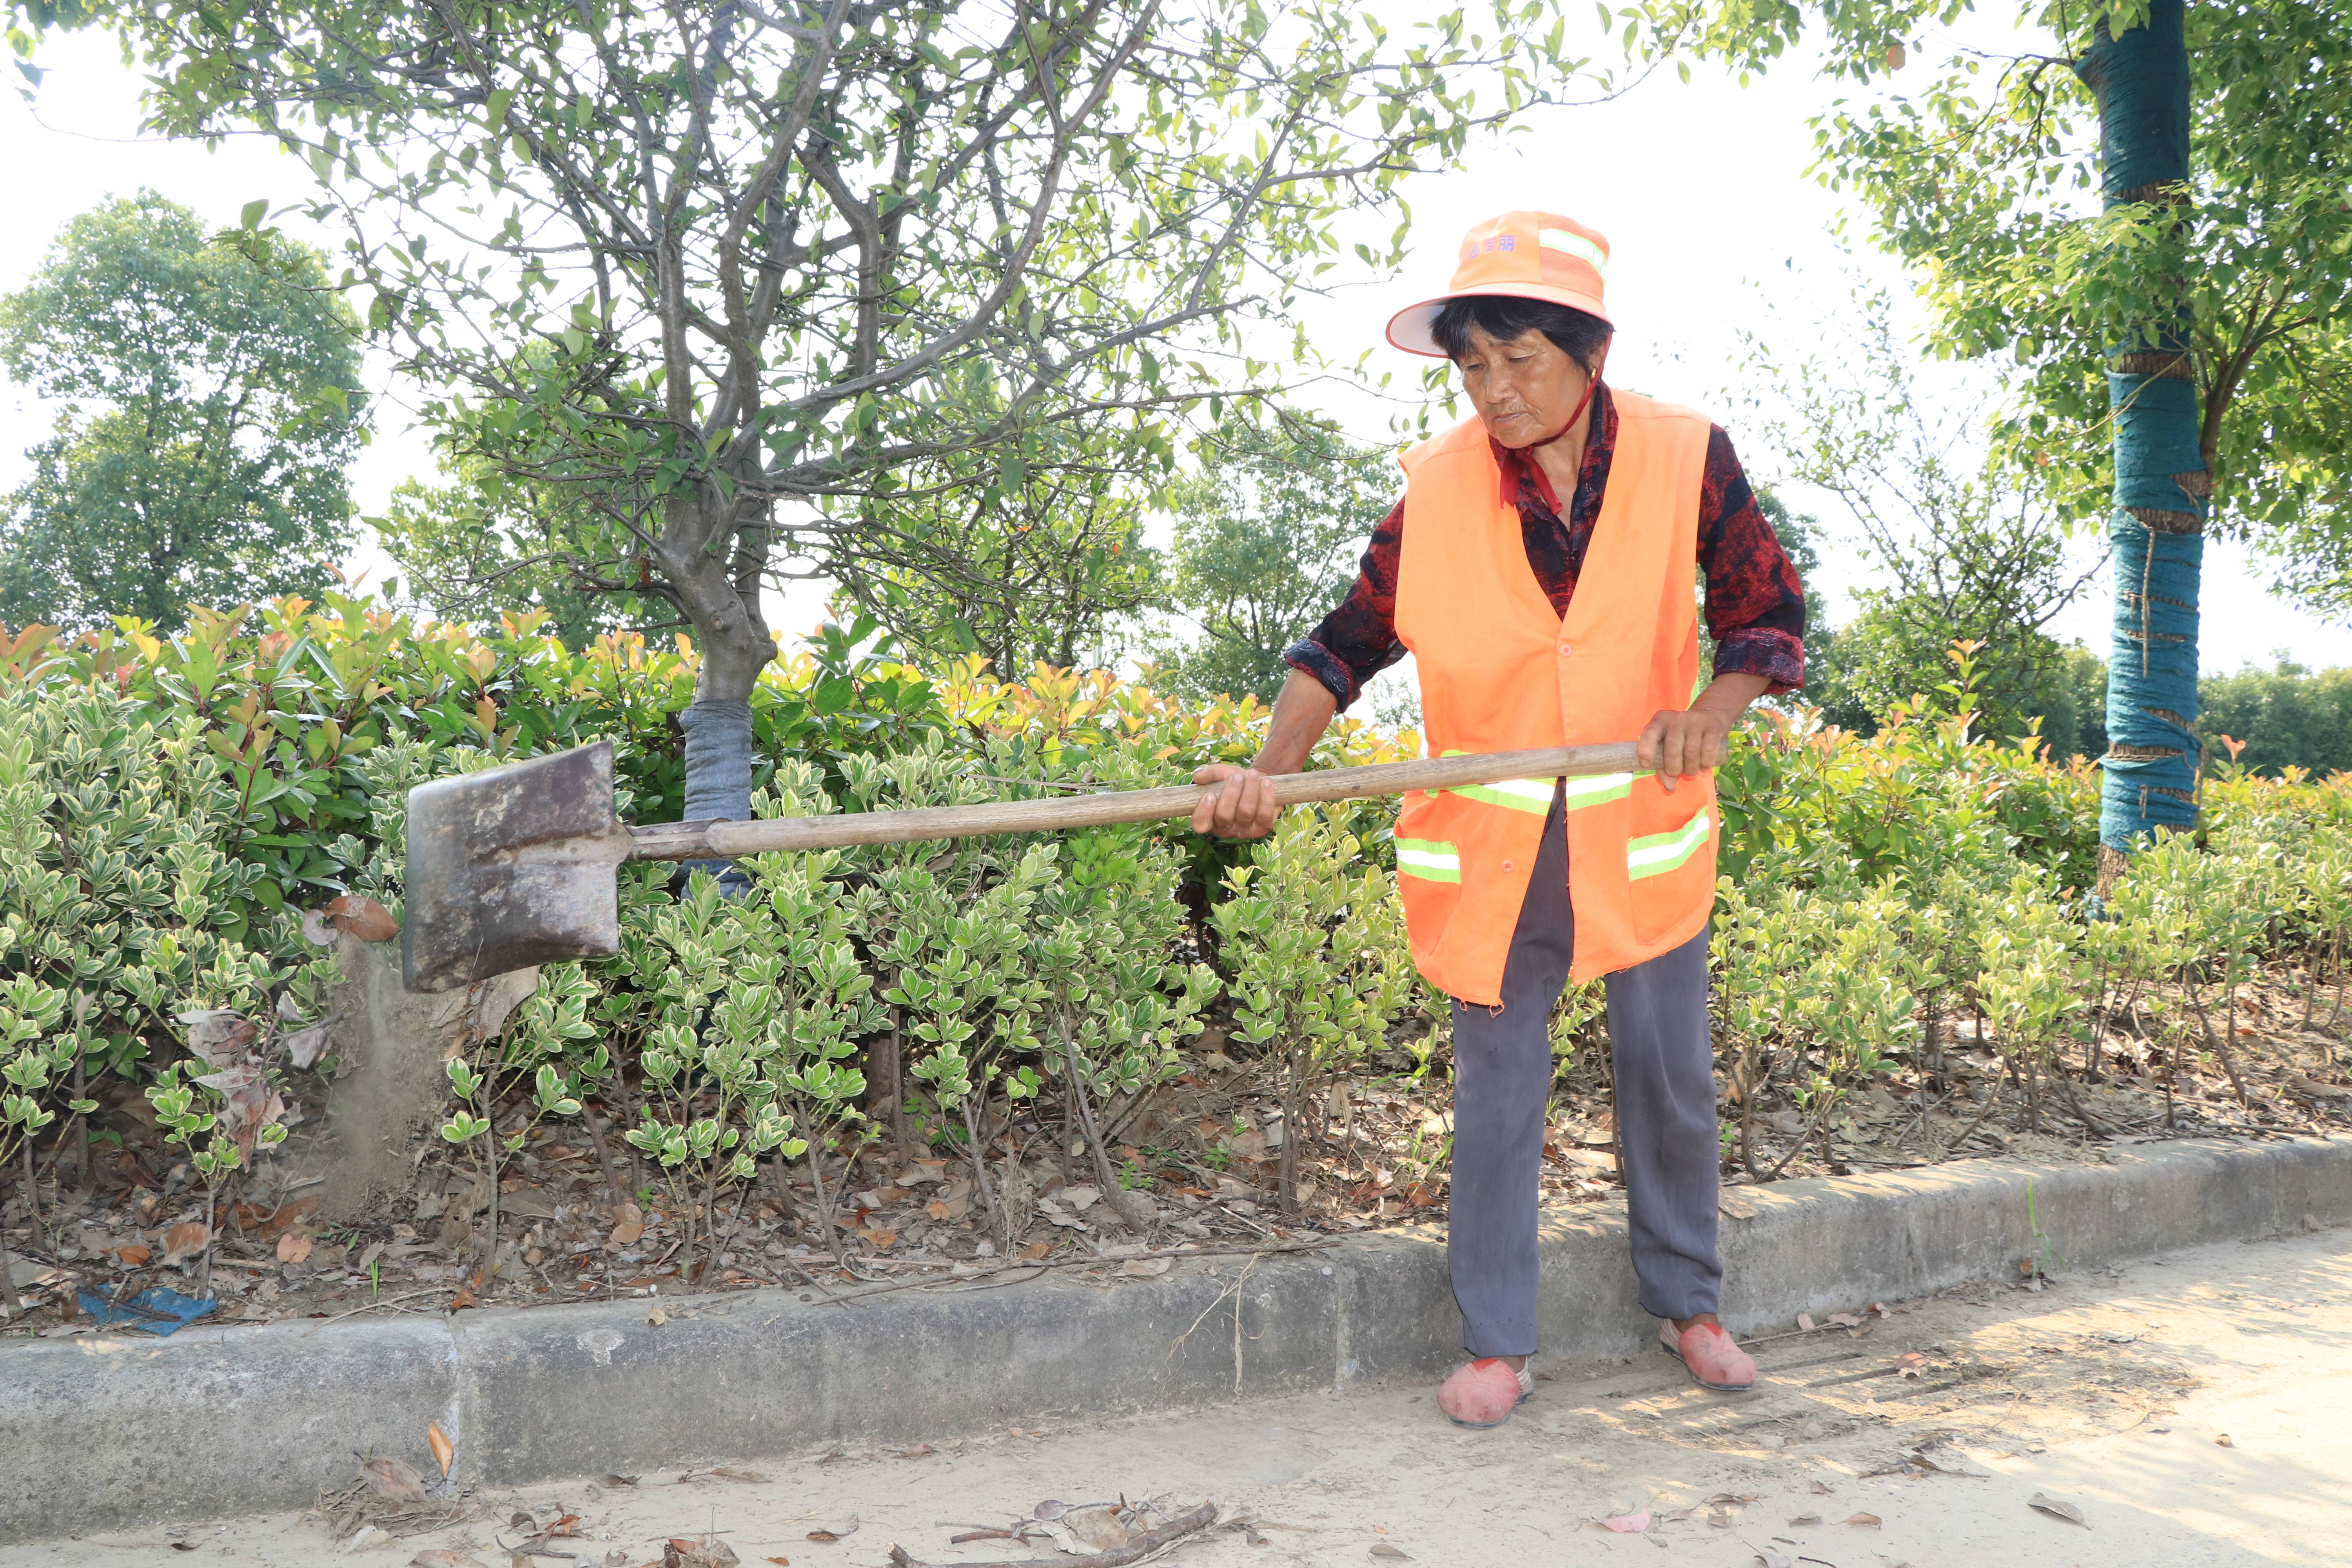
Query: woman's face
[1525,389]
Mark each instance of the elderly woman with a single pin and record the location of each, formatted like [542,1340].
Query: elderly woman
[1540,570]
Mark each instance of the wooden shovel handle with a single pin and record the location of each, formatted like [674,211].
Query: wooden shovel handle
[689,840]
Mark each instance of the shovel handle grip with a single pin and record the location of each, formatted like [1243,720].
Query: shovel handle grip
[692,840]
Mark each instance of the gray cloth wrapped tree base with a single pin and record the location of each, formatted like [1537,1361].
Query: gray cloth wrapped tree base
[719,774]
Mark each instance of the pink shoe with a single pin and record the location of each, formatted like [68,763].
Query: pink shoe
[1484,1392]
[1714,1360]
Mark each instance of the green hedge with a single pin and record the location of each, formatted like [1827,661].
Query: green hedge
[170,809]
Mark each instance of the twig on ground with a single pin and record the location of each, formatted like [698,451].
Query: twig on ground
[2066,1088]
[2220,1042]
[1991,1104]
[386,1301]
[1149,1543]
[613,1189]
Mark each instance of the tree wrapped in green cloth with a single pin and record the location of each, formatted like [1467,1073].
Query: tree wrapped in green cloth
[2176,348]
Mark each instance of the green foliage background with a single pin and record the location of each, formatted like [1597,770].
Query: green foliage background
[171,805]
[210,403]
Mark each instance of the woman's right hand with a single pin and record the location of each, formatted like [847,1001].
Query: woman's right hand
[1245,807]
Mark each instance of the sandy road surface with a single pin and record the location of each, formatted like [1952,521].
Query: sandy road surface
[2106,1390]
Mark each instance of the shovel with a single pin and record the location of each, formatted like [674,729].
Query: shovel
[517,865]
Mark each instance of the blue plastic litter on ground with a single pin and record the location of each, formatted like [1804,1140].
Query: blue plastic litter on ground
[157,1310]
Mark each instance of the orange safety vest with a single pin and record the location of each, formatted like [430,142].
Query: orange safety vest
[1500,671]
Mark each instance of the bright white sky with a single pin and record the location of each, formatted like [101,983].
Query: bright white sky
[1700,188]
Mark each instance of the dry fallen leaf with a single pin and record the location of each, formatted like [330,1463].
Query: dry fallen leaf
[1146,1267]
[2221,1439]
[706,1553]
[362,917]
[134,1256]
[303,1046]
[1845,1320]
[782,1562]
[248,1103]
[1805,1522]
[619,1481]
[391,1478]
[1805,1322]
[1865,1521]
[1910,1364]
[1632,1523]
[655,1317]
[2057,1508]
[1387,1553]
[629,1224]
[294,1245]
[185,1240]
[444,1452]
[827,1537]
[218,1035]
[1095,1527]
[1821,1489]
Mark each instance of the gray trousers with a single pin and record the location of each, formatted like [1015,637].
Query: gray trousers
[1666,1118]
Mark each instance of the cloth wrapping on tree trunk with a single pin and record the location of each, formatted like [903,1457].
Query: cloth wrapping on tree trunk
[2153,670]
[718,774]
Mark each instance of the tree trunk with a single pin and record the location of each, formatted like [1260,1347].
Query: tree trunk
[885,1095]
[717,772]
[2157,528]
[714,552]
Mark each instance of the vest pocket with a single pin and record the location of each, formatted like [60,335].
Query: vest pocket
[1431,860]
[1655,854]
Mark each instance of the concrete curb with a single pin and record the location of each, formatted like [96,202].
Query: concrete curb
[98,1433]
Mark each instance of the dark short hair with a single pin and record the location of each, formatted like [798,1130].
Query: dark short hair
[1578,334]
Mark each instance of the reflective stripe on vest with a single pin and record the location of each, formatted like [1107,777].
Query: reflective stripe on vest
[1501,671]
[1427,859]
[1662,852]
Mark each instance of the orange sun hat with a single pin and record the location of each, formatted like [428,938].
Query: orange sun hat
[1521,254]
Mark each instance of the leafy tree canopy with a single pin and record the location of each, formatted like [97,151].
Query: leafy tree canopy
[1021,560]
[2285,716]
[1962,549]
[209,402]
[1266,540]
[476,544]
[777,256]
[1982,170]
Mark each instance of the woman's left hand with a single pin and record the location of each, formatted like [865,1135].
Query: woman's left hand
[1685,744]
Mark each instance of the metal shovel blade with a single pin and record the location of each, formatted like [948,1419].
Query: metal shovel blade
[511,867]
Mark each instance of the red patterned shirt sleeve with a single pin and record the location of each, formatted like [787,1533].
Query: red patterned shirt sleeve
[1755,605]
[1357,640]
